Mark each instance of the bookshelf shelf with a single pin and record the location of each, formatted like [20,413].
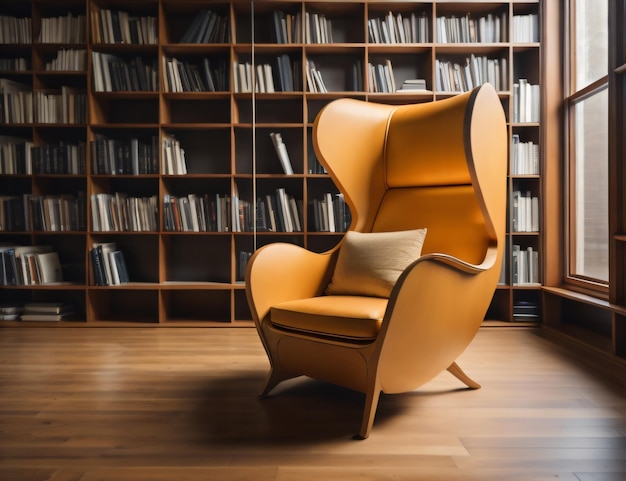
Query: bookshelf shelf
[192,277]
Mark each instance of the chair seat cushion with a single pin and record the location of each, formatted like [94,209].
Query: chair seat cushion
[349,317]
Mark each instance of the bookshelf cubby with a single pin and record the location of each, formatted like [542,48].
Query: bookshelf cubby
[194,277]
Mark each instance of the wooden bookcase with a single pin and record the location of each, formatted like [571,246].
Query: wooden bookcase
[194,278]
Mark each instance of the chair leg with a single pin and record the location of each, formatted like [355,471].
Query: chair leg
[275,377]
[369,412]
[457,372]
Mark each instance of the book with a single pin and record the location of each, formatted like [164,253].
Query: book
[48,308]
[10,312]
[49,267]
[103,250]
[46,317]
[281,151]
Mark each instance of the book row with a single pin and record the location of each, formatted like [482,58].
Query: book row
[62,29]
[113,26]
[174,162]
[192,212]
[68,107]
[491,28]
[526,101]
[264,78]
[36,311]
[29,265]
[206,213]
[382,79]
[524,265]
[16,102]
[16,63]
[330,214]
[118,26]
[16,29]
[138,157]
[120,212]
[525,28]
[108,266]
[47,213]
[26,158]
[207,27]
[455,77]
[398,28]
[279,212]
[524,212]
[183,76]
[112,73]
[524,157]
[290,28]
[124,156]
[68,60]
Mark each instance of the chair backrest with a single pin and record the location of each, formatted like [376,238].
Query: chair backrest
[421,165]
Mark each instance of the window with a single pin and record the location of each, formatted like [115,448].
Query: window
[588,167]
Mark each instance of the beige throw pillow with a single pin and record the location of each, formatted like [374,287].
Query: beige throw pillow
[369,264]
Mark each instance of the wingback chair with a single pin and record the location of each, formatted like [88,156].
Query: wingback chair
[425,181]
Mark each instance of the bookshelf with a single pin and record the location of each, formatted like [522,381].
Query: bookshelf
[153,81]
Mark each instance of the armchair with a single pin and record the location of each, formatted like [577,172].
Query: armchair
[438,166]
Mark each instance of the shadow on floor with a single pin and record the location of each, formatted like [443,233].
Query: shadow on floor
[299,411]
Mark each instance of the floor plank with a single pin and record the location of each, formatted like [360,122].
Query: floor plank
[181,404]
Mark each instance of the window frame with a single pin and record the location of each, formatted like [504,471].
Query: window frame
[571,98]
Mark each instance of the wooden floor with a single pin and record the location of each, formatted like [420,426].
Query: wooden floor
[181,405]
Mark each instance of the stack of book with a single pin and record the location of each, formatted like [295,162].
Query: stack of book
[525,311]
[47,311]
[414,85]
[11,312]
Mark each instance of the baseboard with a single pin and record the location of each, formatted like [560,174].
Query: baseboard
[608,365]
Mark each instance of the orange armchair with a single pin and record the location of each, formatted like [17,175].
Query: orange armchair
[438,166]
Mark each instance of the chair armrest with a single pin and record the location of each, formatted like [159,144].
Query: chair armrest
[281,272]
[434,312]
[488,262]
